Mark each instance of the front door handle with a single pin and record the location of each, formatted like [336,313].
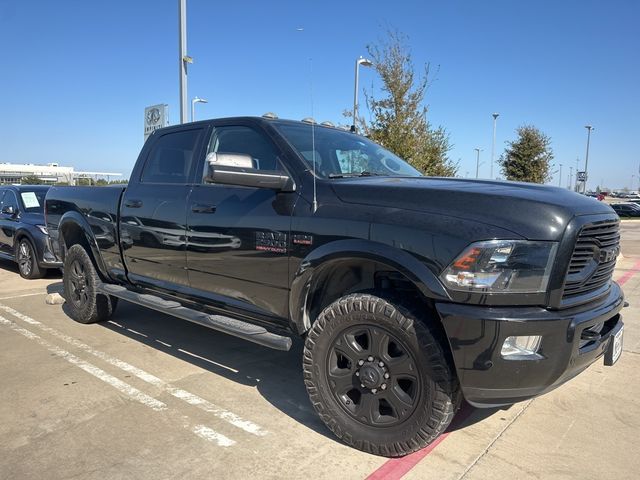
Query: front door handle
[133,203]
[203,208]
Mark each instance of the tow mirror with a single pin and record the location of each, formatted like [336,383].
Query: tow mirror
[230,160]
[240,170]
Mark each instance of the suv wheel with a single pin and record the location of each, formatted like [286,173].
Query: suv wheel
[378,377]
[80,281]
[27,260]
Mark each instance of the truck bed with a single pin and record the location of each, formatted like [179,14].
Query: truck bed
[94,208]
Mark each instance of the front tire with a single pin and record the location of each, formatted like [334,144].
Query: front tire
[80,280]
[28,260]
[377,376]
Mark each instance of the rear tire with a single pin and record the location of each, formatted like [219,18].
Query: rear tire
[80,280]
[27,260]
[377,376]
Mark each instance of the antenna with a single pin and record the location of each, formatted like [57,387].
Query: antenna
[313,143]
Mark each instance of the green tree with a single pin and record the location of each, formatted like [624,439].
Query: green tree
[527,159]
[31,180]
[399,118]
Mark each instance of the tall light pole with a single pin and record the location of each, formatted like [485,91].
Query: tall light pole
[560,176]
[183,59]
[586,158]
[493,144]
[570,178]
[477,161]
[193,106]
[367,63]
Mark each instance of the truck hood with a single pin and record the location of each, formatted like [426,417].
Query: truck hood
[535,212]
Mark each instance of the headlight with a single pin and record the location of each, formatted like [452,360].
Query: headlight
[43,229]
[502,266]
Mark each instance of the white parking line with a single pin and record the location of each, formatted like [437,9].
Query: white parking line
[23,295]
[212,436]
[202,431]
[184,395]
[116,383]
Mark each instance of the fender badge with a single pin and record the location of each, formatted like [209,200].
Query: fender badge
[302,239]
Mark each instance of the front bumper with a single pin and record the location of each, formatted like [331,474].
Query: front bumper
[476,334]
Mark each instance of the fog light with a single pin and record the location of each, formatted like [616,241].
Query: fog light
[521,348]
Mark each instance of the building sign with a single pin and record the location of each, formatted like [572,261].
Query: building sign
[155,117]
[582,176]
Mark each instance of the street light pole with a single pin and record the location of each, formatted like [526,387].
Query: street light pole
[570,178]
[477,161]
[586,158]
[367,63]
[493,144]
[560,176]
[183,59]
[193,106]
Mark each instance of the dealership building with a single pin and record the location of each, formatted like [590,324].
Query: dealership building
[51,173]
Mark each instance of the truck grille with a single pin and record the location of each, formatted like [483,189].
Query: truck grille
[593,259]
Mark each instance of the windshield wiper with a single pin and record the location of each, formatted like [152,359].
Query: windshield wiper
[351,175]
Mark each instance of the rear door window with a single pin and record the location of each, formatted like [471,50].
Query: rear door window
[172,157]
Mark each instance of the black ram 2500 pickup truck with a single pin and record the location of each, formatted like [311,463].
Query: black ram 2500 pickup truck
[410,292]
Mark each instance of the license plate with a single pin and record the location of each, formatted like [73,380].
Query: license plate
[615,348]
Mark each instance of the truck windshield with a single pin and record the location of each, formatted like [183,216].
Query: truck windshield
[343,154]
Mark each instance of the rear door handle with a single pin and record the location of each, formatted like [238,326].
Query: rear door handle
[202,208]
[133,203]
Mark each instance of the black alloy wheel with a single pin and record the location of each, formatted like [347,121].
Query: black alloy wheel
[27,261]
[379,377]
[373,375]
[80,280]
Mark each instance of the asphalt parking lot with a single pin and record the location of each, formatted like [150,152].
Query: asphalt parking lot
[148,396]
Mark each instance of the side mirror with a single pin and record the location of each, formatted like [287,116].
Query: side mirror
[240,170]
[239,160]
[9,210]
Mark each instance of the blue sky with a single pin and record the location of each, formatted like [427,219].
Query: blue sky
[77,75]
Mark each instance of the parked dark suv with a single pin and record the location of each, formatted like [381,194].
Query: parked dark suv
[626,209]
[23,235]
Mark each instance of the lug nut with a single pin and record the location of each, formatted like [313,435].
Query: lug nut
[383,386]
[381,364]
[374,390]
[370,359]
[362,385]
[360,362]
[386,375]
[357,374]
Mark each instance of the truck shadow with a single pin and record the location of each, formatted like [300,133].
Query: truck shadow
[276,375]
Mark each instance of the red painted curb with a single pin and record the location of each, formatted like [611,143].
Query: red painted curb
[396,468]
[630,273]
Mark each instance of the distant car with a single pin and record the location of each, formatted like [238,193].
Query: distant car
[23,235]
[626,209]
